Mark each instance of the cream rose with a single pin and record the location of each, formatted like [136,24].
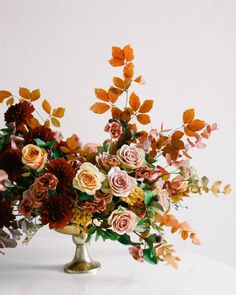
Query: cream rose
[34,156]
[123,221]
[121,183]
[131,157]
[88,179]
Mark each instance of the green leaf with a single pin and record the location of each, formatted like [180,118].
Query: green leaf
[157,205]
[125,239]
[40,142]
[112,235]
[84,197]
[148,197]
[141,228]
[150,256]
[56,154]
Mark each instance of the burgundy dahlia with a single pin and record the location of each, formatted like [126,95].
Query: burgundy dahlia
[20,114]
[56,211]
[10,161]
[63,171]
[41,132]
[6,215]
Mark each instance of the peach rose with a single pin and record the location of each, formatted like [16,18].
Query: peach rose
[178,184]
[123,221]
[121,183]
[88,179]
[34,156]
[131,157]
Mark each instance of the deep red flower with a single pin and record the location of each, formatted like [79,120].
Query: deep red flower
[6,215]
[26,206]
[41,132]
[56,211]
[20,114]
[63,171]
[10,161]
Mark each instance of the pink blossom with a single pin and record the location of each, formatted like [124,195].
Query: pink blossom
[178,185]
[3,180]
[95,206]
[123,221]
[121,183]
[105,161]
[114,128]
[137,253]
[130,156]
[100,194]
[148,173]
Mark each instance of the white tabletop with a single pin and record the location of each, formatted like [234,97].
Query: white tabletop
[37,269]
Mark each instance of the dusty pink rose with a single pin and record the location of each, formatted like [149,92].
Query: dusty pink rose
[45,182]
[178,185]
[121,183]
[137,253]
[3,180]
[114,128]
[130,156]
[105,161]
[123,221]
[100,194]
[37,197]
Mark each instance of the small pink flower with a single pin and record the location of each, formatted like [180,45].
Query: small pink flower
[114,128]
[130,156]
[105,161]
[137,253]
[163,199]
[147,173]
[3,180]
[123,221]
[178,185]
[121,183]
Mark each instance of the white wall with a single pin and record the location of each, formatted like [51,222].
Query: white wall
[185,49]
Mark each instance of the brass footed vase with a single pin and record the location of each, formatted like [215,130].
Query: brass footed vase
[82,263]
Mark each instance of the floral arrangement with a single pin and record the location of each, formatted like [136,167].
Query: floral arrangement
[123,190]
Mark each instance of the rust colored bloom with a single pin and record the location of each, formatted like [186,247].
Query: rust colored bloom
[41,132]
[56,211]
[26,207]
[10,161]
[6,215]
[35,195]
[20,114]
[45,182]
[100,194]
[95,206]
[63,171]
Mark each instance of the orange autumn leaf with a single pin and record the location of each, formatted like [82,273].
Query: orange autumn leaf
[118,82]
[177,135]
[47,124]
[101,94]
[128,70]
[24,92]
[184,235]
[99,107]
[127,83]
[58,112]
[46,106]
[189,132]
[34,123]
[126,115]
[4,94]
[140,80]
[117,52]
[55,122]
[196,125]
[134,101]
[116,113]
[115,62]
[128,53]
[146,106]
[188,116]
[143,119]
[34,95]
[10,101]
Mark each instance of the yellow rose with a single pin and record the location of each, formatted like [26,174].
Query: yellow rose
[88,179]
[34,156]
